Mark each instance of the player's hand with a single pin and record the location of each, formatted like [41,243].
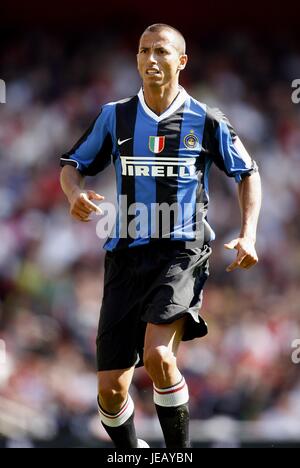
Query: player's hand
[246,253]
[81,205]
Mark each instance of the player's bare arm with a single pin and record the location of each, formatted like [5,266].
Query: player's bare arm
[249,194]
[81,206]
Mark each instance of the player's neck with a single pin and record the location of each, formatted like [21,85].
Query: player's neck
[160,98]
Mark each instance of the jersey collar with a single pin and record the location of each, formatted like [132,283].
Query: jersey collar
[180,99]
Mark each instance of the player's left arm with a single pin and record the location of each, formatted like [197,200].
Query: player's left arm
[249,194]
[229,154]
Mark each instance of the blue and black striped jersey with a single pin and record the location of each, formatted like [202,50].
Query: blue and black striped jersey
[160,161]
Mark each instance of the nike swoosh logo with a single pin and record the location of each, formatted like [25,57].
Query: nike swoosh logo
[120,142]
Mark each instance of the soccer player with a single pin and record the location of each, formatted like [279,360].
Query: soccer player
[162,143]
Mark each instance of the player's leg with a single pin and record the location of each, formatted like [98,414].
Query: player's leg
[117,352]
[169,387]
[116,408]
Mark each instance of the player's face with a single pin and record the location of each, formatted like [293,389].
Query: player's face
[159,59]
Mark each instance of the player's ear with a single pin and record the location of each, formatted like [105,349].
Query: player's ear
[182,61]
[137,62]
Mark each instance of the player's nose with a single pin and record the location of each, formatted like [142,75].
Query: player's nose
[151,58]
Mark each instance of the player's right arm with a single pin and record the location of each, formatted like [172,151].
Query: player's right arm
[89,156]
[81,206]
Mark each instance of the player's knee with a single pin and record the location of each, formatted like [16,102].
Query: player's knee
[111,395]
[159,360]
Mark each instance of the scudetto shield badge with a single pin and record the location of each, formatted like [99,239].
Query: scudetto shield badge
[156,143]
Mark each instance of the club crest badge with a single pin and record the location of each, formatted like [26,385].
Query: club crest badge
[191,141]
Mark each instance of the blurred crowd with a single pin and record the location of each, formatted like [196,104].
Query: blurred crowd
[51,268]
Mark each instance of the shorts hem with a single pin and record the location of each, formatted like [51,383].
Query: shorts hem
[121,367]
[196,328]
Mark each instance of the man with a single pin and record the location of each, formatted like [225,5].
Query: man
[162,142]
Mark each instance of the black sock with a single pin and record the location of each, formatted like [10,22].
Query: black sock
[123,436]
[174,421]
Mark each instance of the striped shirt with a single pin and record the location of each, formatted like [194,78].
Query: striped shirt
[161,163]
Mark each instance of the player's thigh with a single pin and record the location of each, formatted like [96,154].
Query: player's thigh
[116,380]
[167,334]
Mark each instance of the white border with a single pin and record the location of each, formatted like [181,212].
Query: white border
[180,99]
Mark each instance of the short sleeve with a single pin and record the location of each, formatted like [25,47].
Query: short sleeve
[92,153]
[225,147]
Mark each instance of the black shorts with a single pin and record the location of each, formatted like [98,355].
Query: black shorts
[157,283]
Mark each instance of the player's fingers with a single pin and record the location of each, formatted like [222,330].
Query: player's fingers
[80,215]
[94,196]
[232,266]
[231,245]
[251,265]
[89,204]
[81,219]
[245,265]
[249,262]
[82,209]
[241,256]
[237,262]
[246,262]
